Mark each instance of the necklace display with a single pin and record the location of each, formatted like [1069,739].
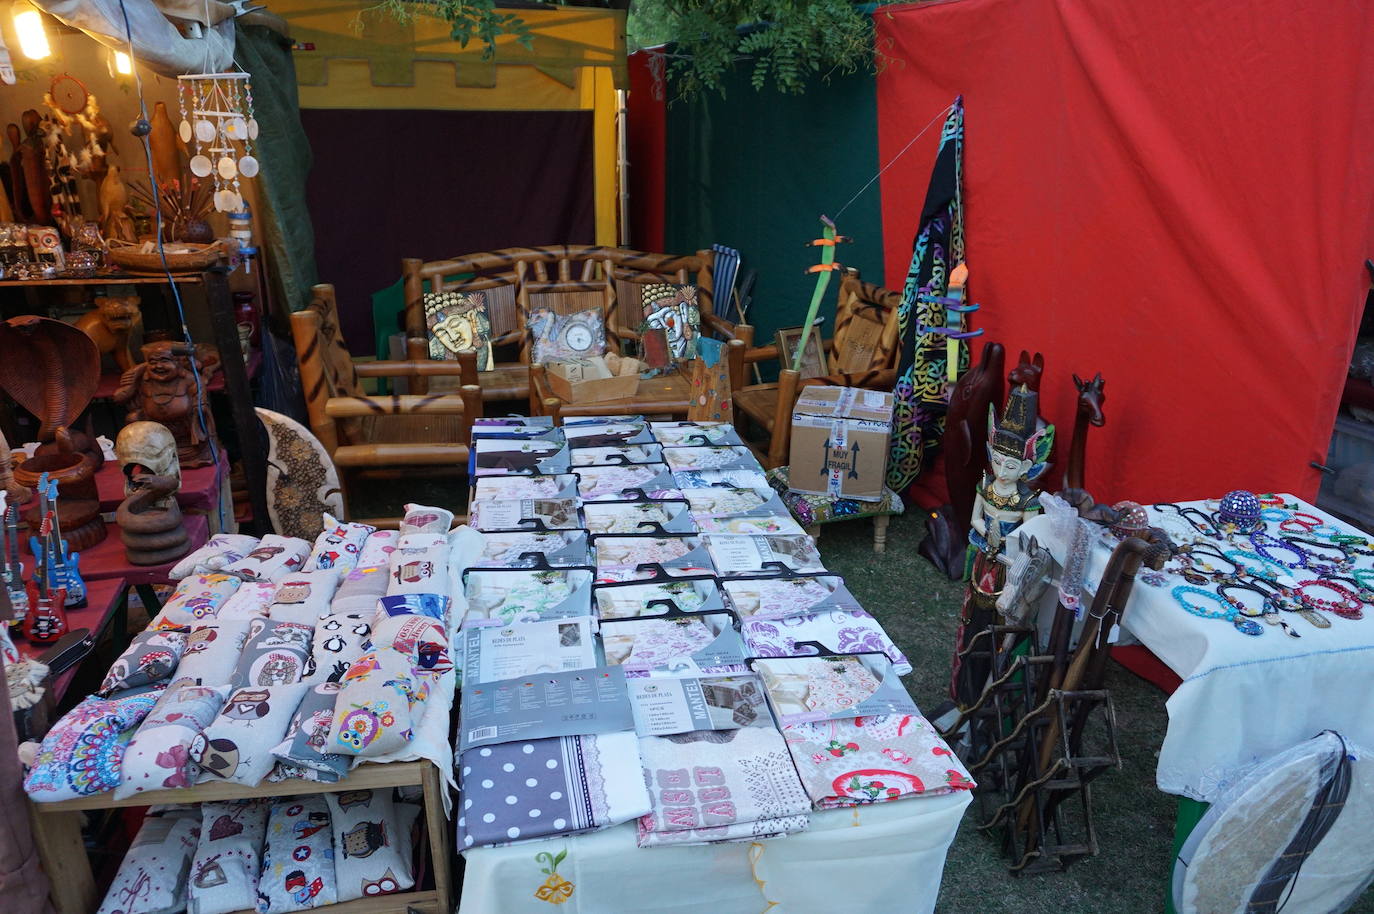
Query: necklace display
[1226,609]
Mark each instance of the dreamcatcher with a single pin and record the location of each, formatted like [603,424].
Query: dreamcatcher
[218,127]
[70,103]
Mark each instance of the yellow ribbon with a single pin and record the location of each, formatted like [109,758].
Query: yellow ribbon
[755,853]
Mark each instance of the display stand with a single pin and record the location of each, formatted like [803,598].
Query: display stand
[57,833]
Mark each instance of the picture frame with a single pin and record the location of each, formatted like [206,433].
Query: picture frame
[813,363]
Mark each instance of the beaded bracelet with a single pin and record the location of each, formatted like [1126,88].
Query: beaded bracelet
[1225,611]
[1285,600]
[1300,522]
[1263,542]
[1274,515]
[1315,561]
[1348,607]
[1270,570]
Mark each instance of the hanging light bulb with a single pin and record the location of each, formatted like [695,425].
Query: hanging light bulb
[123,65]
[33,41]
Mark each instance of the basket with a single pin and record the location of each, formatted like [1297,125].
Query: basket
[130,256]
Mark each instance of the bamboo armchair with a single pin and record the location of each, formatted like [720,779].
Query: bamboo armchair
[862,353]
[564,278]
[365,434]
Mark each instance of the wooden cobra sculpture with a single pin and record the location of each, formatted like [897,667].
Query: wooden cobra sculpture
[1090,400]
[149,518]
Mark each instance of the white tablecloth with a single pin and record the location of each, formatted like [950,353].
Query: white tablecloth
[887,857]
[1243,698]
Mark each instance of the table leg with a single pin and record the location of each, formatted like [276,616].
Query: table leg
[63,853]
[880,533]
[148,594]
[439,851]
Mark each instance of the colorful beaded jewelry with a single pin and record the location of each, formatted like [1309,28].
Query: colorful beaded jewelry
[1269,612]
[1269,569]
[1300,522]
[1263,543]
[1226,609]
[1285,600]
[1347,607]
[1318,563]
[1274,515]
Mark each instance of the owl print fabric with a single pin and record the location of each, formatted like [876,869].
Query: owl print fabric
[237,745]
[84,751]
[304,597]
[298,857]
[212,652]
[198,598]
[338,546]
[373,851]
[274,654]
[224,870]
[423,570]
[159,756]
[272,559]
[305,749]
[153,877]
[151,657]
[220,550]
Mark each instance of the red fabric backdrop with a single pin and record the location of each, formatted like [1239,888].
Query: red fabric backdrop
[647,140]
[1176,193]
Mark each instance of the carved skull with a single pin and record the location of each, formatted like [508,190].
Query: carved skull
[146,449]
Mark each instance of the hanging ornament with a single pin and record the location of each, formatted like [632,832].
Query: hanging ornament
[218,126]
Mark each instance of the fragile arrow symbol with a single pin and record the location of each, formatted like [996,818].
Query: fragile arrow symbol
[854,461]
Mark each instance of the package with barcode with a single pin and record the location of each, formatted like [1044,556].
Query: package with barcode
[504,652]
[840,442]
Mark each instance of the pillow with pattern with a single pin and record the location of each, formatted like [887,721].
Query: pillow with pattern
[458,322]
[581,335]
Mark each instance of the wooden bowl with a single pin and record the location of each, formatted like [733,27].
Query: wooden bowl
[130,257]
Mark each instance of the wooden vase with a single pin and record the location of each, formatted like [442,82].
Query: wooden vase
[166,154]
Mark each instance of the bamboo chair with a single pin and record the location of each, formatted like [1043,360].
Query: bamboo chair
[565,278]
[862,353]
[365,434]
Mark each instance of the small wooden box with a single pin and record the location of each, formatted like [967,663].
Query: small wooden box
[591,380]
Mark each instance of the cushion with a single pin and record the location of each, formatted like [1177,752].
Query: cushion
[224,871]
[159,756]
[338,545]
[152,879]
[152,656]
[308,735]
[275,557]
[377,548]
[212,652]
[83,752]
[822,509]
[221,549]
[197,597]
[458,322]
[274,654]
[426,519]
[553,337]
[338,641]
[672,308]
[250,601]
[360,589]
[237,745]
[373,850]
[298,857]
[304,597]
[419,571]
[373,712]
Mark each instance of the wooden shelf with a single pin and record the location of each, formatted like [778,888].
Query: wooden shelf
[400,903]
[117,280]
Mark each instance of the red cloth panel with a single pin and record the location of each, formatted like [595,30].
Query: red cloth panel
[1177,194]
[646,136]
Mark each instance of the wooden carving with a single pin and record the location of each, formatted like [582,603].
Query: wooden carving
[20,193]
[1027,371]
[32,160]
[965,443]
[149,518]
[1089,413]
[165,389]
[116,216]
[110,326]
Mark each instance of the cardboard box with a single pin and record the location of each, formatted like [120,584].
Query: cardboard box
[840,438]
[592,380]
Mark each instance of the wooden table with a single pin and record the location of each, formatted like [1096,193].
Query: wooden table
[667,395]
[107,607]
[57,834]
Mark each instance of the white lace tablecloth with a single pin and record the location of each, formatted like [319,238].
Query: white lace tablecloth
[883,857]
[1243,698]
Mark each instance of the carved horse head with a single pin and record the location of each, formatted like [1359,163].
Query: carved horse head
[1090,399]
[1027,579]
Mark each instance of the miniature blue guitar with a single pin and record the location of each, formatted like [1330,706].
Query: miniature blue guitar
[62,568]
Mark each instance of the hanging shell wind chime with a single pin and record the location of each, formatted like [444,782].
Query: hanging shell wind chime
[218,127]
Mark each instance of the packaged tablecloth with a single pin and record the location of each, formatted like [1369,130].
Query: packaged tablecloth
[872,760]
[544,787]
[224,870]
[272,559]
[275,653]
[710,779]
[220,550]
[338,545]
[159,756]
[304,597]
[305,746]
[198,597]
[83,752]
[758,830]
[646,643]
[840,631]
[237,745]
[373,850]
[505,597]
[360,589]
[152,656]
[152,879]
[212,652]
[298,857]
[250,601]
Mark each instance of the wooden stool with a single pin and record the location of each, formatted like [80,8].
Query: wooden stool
[813,511]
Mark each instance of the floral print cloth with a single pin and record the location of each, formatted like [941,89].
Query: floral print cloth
[274,557]
[687,434]
[708,479]
[198,597]
[237,745]
[338,545]
[773,598]
[298,857]
[632,600]
[152,879]
[704,782]
[825,686]
[840,631]
[647,643]
[632,517]
[502,488]
[723,502]
[618,558]
[224,871]
[82,754]
[159,756]
[629,453]
[822,509]
[373,849]
[613,483]
[512,550]
[151,656]
[544,787]
[852,762]
[710,458]
[505,597]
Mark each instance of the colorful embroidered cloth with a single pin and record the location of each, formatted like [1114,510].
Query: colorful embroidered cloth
[83,752]
[198,597]
[840,631]
[707,784]
[159,756]
[824,509]
[544,787]
[872,760]
[298,858]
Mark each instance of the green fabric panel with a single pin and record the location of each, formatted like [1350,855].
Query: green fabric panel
[281,223]
[1190,813]
[756,170]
